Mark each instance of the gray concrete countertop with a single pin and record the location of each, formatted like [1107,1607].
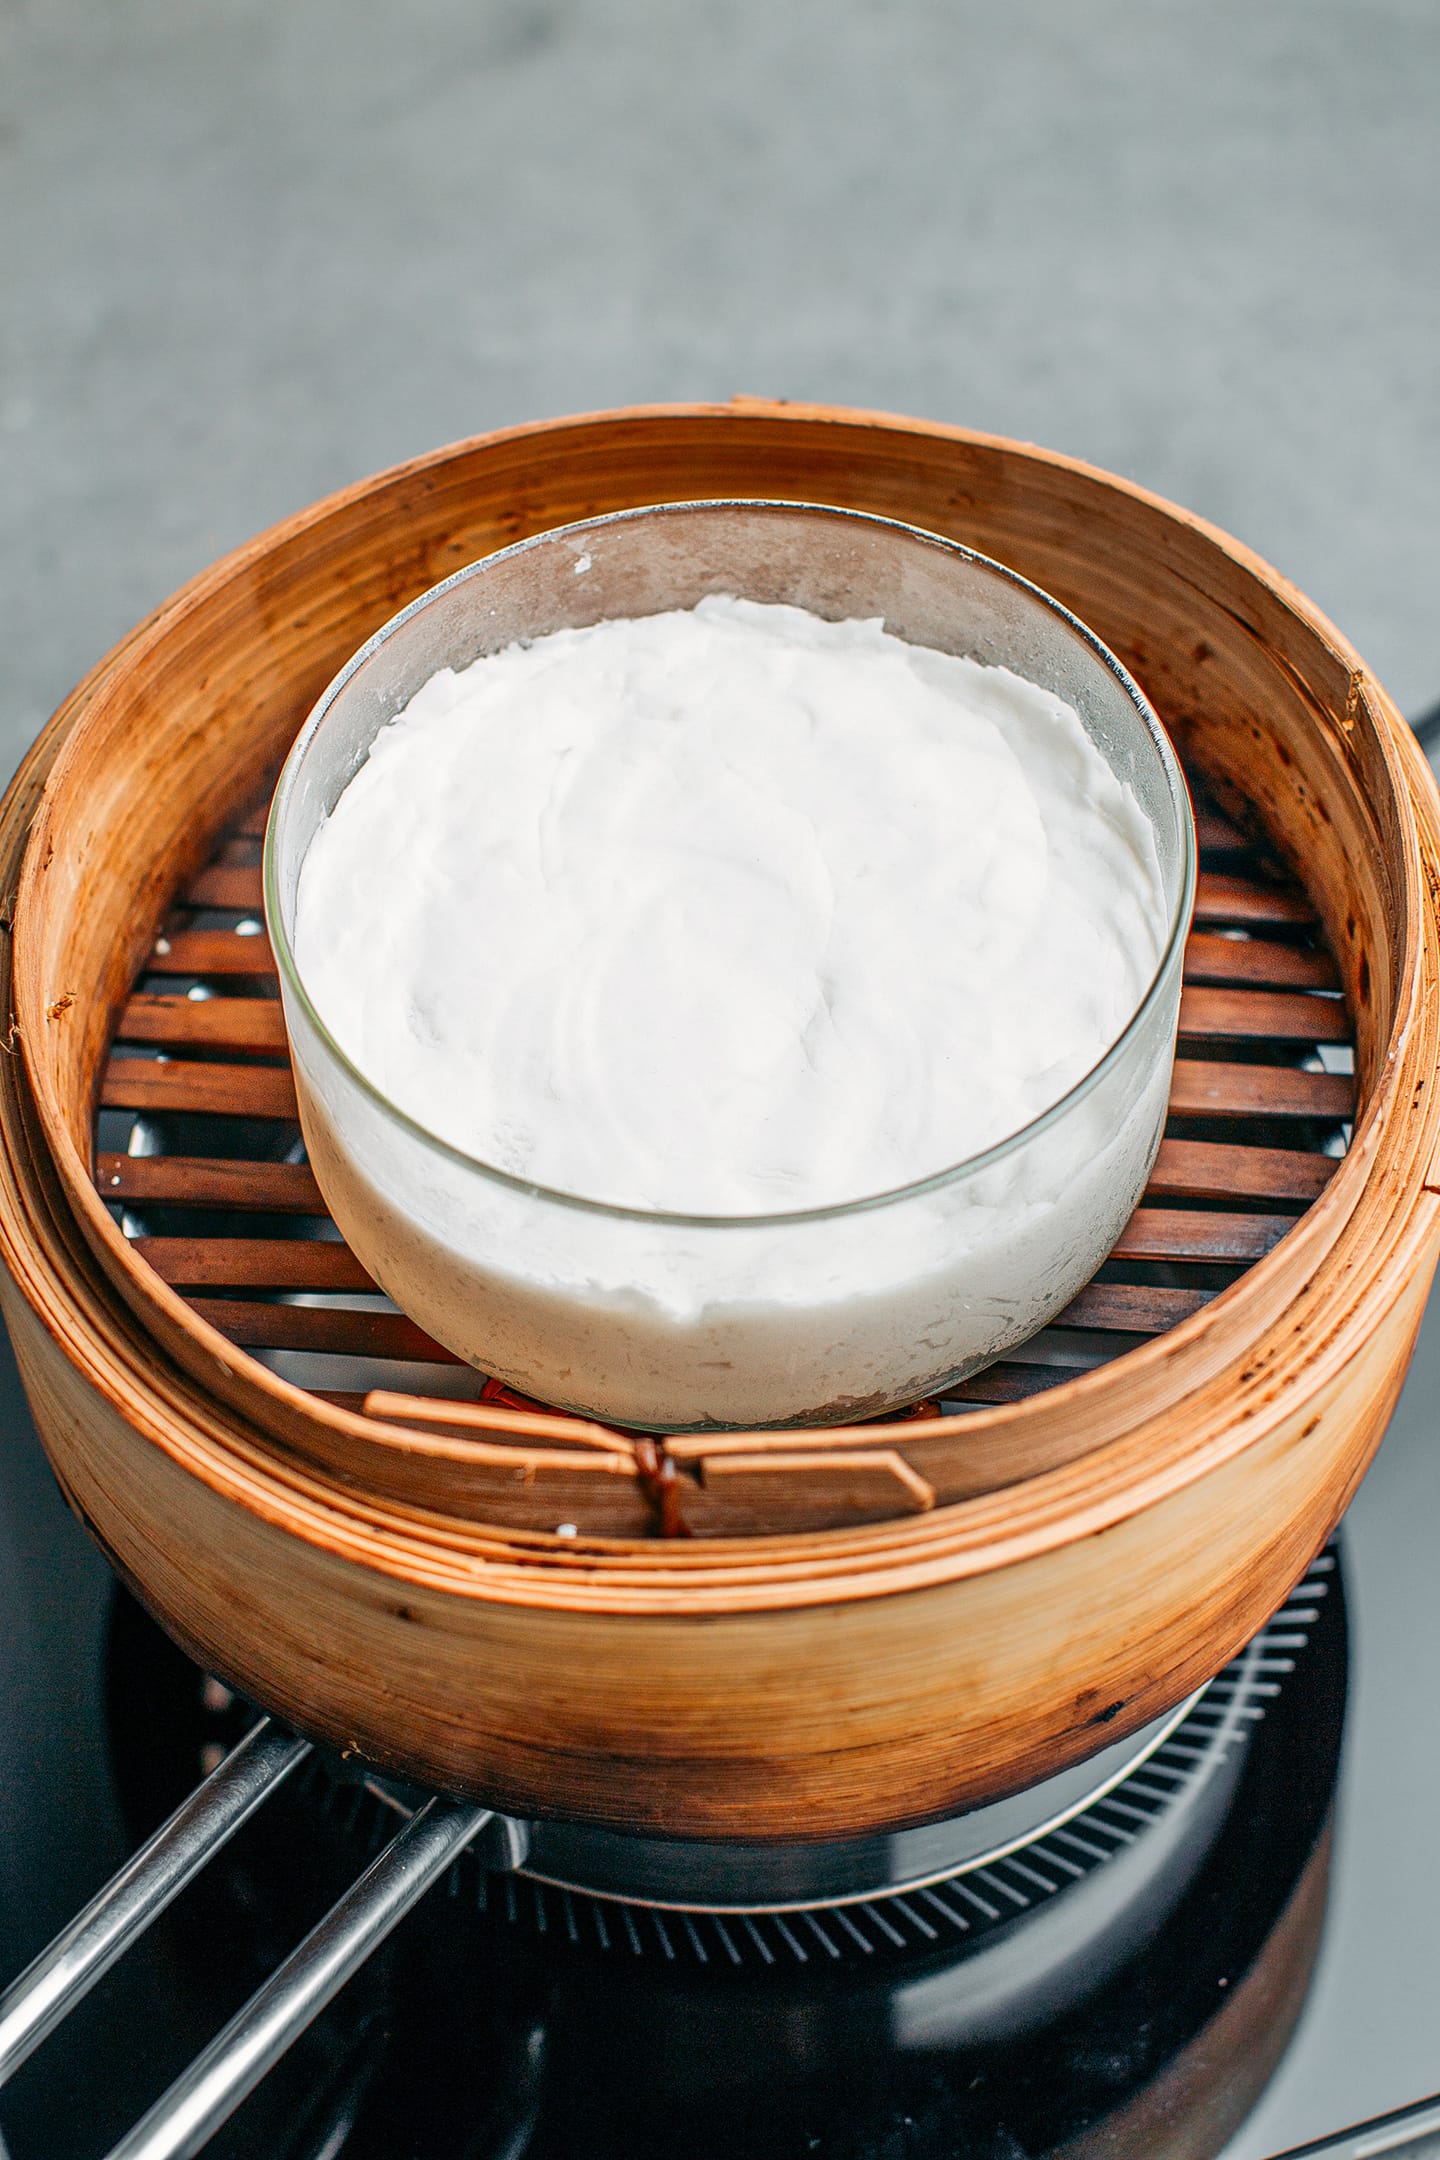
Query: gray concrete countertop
[248,253]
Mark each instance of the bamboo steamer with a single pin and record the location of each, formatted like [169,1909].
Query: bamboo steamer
[1091,1555]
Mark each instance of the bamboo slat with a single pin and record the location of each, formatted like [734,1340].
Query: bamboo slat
[209,1182]
[1216,835]
[1262,1016]
[325,1329]
[210,952]
[237,886]
[251,822]
[1133,1308]
[1211,958]
[1004,1382]
[1206,1170]
[1192,1234]
[1220,897]
[1262,1091]
[1223,899]
[215,1023]
[261,1091]
[254,1263]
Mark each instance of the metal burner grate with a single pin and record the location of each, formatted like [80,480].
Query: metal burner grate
[1160,1802]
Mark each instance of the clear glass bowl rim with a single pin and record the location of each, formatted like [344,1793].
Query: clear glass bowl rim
[832,1211]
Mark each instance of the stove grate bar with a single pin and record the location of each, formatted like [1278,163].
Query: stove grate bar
[791,1940]
[84,1951]
[994,1880]
[1098,1853]
[955,1919]
[438,1842]
[759,1940]
[1032,1875]
[1188,1750]
[731,1947]
[1144,1816]
[826,1942]
[1102,1817]
[1053,1857]
[1146,1789]
[208,2092]
[843,1918]
[917,1920]
[1223,1714]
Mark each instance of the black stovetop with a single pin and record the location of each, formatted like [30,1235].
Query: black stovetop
[478,2033]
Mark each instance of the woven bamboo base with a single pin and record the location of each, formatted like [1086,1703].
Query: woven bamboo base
[199,1153]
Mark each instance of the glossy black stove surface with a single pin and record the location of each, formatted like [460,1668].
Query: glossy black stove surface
[483,2032]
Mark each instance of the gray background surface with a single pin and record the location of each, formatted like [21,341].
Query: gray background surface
[251,252]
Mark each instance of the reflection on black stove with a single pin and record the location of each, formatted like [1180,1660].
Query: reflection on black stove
[1138,2010]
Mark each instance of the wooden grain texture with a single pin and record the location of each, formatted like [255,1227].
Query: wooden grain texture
[210,952]
[1142,1308]
[1224,899]
[1094,1551]
[1216,835]
[1154,1233]
[256,1263]
[209,1182]
[217,1023]
[843,1483]
[1261,1016]
[939,1690]
[1210,1170]
[1006,1381]
[1203,1089]
[486,1418]
[1213,958]
[322,1329]
[227,885]
[134,1083]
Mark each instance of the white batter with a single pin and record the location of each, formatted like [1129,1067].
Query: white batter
[729,911]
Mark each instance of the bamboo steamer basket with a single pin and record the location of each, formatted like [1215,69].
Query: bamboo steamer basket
[1081,1560]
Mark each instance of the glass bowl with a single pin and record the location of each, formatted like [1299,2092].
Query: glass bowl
[661,1321]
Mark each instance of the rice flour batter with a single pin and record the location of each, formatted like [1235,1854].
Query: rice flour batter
[729,911]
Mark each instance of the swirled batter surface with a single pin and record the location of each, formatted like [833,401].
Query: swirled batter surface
[731,910]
